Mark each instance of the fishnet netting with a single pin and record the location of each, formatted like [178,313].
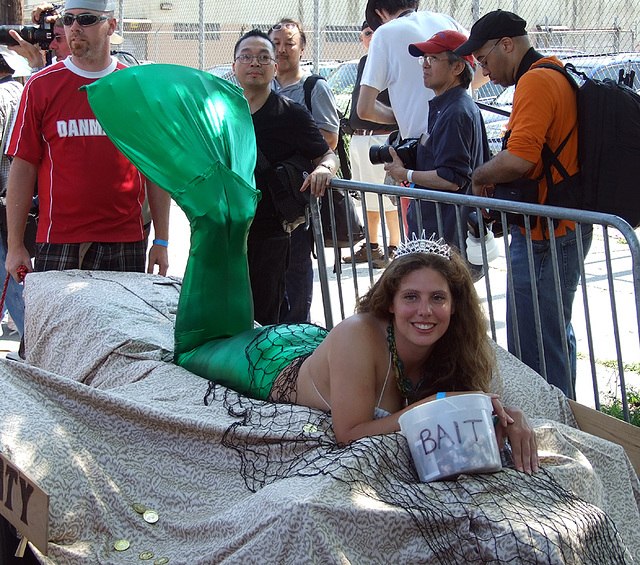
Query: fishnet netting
[272,351]
[506,517]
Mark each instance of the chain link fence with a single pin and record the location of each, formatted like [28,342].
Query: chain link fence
[202,34]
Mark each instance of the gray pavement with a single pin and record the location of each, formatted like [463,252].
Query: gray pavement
[8,341]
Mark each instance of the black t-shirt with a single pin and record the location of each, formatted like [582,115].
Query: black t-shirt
[283,128]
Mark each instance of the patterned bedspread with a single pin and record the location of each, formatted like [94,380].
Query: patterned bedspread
[102,420]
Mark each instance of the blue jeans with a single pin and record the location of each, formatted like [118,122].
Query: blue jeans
[13,301]
[557,371]
[296,306]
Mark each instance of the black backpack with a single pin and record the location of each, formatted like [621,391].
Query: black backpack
[341,150]
[344,210]
[608,147]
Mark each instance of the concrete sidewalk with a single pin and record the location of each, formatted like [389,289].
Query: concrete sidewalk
[8,341]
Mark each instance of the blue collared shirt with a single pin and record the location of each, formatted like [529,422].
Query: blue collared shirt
[457,142]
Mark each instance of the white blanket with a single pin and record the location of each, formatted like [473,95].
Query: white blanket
[102,420]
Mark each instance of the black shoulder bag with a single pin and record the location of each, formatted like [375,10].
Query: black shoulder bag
[284,182]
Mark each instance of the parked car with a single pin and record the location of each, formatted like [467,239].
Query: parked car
[224,71]
[609,66]
[325,68]
[342,81]
[487,92]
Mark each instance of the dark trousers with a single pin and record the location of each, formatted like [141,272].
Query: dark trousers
[268,261]
[296,306]
[430,221]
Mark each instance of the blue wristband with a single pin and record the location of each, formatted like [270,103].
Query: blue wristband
[162,242]
[440,395]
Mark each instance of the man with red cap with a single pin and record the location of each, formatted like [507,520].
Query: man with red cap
[455,142]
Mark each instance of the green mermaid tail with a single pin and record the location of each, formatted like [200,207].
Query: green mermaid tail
[191,133]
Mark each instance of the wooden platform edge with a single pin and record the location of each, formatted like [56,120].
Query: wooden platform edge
[609,428]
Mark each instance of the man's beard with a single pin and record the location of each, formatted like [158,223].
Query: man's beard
[82,50]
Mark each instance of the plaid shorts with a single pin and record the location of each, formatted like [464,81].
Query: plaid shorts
[127,256]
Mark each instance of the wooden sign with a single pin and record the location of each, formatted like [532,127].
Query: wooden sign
[24,504]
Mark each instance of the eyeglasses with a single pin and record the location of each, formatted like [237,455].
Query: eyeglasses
[430,59]
[59,38]
[367,33]
[247,59]
[84,20]
[289,25]
[481,61]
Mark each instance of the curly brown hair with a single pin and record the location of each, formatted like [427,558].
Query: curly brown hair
[463,358]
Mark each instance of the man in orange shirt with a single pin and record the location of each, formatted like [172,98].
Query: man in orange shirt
[544,112]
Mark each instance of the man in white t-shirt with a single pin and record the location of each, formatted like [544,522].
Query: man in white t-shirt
[390,66]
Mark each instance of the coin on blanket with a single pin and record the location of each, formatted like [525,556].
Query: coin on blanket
[150,516]
[121,545]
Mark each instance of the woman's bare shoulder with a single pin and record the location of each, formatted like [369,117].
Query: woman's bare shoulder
[363,322]
[361,329]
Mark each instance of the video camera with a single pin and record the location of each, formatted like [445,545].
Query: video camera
[407,150]
[40,35]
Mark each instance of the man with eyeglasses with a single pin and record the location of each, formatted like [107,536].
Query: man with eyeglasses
[283,128]
[290,41]
[397,24]
[455,142]
[91,196]
[544,114]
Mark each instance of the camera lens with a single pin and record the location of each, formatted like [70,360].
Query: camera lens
[379,154]
[5,37]
[385,155]
[374,154]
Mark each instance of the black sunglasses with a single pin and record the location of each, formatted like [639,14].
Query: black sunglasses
[84,20]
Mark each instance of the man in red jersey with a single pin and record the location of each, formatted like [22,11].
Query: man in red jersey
[91,196]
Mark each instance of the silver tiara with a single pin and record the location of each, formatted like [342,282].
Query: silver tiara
[423,245]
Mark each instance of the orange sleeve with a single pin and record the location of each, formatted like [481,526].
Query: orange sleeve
[534,108]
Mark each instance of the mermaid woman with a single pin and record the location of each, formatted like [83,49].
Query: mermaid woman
[418,332]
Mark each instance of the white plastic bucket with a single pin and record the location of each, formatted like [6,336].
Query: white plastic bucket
[451,436]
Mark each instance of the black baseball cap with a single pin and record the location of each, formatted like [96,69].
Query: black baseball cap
[372,17]
[494,25]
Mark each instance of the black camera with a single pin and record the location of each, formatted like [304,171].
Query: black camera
[40,35]
[407,150]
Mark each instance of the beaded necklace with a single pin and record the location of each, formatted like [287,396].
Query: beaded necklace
[405,386]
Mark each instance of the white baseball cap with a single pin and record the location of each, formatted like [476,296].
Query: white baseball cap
[94,5]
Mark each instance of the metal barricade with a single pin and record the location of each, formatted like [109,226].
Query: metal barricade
[607,326]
